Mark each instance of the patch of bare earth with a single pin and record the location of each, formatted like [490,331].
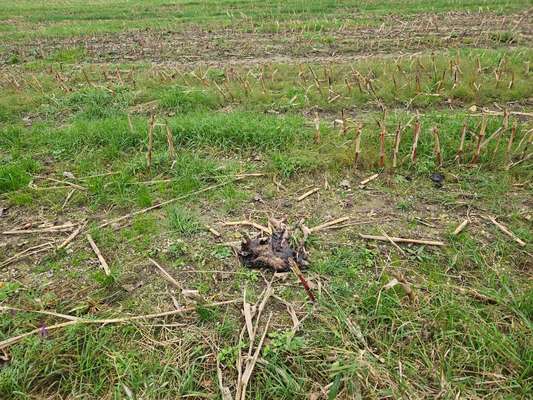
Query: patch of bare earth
[229,46]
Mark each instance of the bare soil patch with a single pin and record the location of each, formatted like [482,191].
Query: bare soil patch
[219,47]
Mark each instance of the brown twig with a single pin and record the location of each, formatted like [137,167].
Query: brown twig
[460,227]
[481,136]
[101,258]
[510,144]
[382,134]
[402,240]
[507,231]
[476,295]
[396,145]
[416,135]
[52,229]
[461,143]
[364,182]
[438,154]
[72,236]
[317,128]
[296,270]
[249,223]
[392,241]
[170,143]
[405,285]
[151,125]
[344,122]
[166,275]
[27,252]
[357,140]
[307,194]
[328,224]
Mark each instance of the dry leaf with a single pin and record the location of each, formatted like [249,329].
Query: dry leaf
[192,295]
[393,282]
[128,392]
[247,310]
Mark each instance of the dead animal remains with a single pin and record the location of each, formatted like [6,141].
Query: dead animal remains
[274,251]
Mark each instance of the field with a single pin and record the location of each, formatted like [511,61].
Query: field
[142,141]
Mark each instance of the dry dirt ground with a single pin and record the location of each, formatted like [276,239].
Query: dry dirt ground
[393,36]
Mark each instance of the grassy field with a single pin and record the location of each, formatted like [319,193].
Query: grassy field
[152,127]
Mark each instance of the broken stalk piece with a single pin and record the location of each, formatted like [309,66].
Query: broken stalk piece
[438,154]
[481,136]
[396,146]
[416,135]
[459,155]
[296,270]
[382,145]
[357,140]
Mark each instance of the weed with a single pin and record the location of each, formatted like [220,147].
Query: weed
[183,221]
[16,174]
[182,100]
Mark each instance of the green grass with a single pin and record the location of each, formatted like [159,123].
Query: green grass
[182,221]
[63,114]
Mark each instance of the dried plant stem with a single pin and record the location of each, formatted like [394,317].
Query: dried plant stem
[170,143]
[328,224]
[307,194]
[247,374]
[510,145]
[403,240]
[296,270]
[166,275]
[72,236]
[249,223]
[26,253]
[481,136]
[344,122]
[438,154]
[459,155]
[364,182]
[416,135]
[130,124]
[396,146]
[150,141]
[317,82]
[503,128]
[460,227]
[357,139]
[80,321]
[507,231]
[101,258]
[317,128]
[382,144]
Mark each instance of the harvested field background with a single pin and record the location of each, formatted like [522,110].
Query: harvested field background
[387,145]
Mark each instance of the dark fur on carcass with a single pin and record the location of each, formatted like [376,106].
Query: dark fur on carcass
[273,252]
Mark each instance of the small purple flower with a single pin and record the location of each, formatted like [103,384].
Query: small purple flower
[43,331]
